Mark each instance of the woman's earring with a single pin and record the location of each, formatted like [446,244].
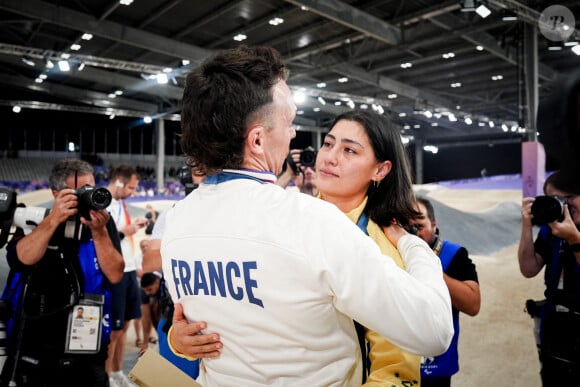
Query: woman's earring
[376,183]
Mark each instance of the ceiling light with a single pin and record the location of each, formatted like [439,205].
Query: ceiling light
[338,103]
[162,78]
[39,80]
[316,109]
[456,84]
[299,97]
[507,15]
[498,77]
[483,11]
[322,101]
[240,37]
[43,76]
[75,47]
[428,113]
[81,66]
[406,127]
[364,106]
[434,124]
[479,48]
[448,55]
[504,127]
[416,126]
[480,124]
[452,117]
[554,46]
[402,114]
[26,59]
[320,85]
[299,112]
[431,148]
[406,65]
[576,49]
[16,109]
[65,55]
[125,2]
[392,96]
[468,120]
[112,95]
[87,36]
[276,21]
[63,65]
[342,80]
[147,119]
[491,124]
[185,62]
[118,92]
[111,116]
[49,64]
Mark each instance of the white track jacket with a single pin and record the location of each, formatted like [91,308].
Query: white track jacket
[281,275]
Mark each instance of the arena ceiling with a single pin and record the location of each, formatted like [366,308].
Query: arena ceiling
[446,75]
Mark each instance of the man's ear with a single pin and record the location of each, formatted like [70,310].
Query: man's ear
[119,183]
[255,139]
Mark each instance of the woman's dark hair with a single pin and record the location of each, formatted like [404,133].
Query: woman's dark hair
[394,197]
[562,182]
[220,99]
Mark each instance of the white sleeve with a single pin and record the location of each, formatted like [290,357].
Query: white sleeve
[159,226]
[410,308]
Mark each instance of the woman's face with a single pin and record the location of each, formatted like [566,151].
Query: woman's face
[346,163]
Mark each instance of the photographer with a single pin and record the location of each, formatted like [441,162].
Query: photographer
[300,171]
[64,270]
[557,247]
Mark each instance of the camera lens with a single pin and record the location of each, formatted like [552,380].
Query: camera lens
[101,198]
[308,158]
[547,209]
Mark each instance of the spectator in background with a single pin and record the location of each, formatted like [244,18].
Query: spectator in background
[557,248]
[460,276]
[126,294]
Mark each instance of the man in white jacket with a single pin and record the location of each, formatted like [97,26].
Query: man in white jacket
[280,275]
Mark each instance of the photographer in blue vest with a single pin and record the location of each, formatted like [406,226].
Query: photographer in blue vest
[67,263]
[460,276]
[557,248]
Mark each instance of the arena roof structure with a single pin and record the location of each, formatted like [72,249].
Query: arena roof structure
[448,70]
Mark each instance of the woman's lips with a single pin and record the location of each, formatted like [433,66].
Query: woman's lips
[326,172]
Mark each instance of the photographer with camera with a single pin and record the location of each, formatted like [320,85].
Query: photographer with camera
[64,270]
[557,247]
[300,171]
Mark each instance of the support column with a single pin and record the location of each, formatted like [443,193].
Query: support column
[160,134]
[533,154]
[419,143]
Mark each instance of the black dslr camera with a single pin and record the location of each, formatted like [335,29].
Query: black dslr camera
[547,209]
[307,159]
[185,178]
[91,198]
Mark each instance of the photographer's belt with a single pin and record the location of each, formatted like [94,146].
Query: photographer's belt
[84,331]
